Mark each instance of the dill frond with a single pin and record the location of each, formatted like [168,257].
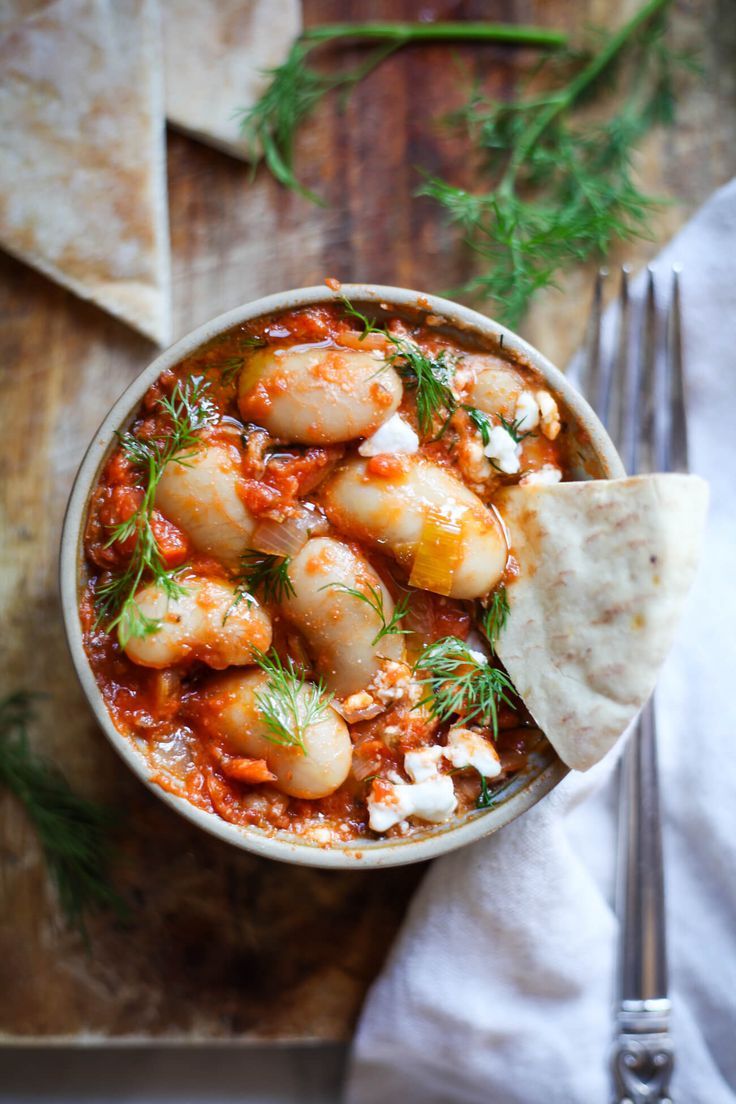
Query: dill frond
[374,598]
[74,833]
[271,125]
[288,703]
[561,189]
[460,685]
[189,410]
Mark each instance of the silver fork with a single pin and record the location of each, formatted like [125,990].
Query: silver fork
[638,392]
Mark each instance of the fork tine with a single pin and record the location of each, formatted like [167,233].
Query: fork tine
[616,375]
[647,443]
[676,448]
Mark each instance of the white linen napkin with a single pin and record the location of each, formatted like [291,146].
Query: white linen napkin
[499,989]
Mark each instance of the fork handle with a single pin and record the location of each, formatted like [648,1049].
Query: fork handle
[643,1056]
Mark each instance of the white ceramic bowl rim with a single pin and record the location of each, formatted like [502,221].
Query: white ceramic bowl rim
[282,846]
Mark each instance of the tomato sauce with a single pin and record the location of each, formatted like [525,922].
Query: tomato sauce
[165,711]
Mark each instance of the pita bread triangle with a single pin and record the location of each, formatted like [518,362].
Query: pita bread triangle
[82,172]
[239,41]
[604,570]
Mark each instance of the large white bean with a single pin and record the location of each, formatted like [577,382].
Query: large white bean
[201,497]
[318,396]
[203,623]
[390,511]
[496,386]
[339,628]
[232,710]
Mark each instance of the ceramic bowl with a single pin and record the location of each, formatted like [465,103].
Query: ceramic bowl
[598,459]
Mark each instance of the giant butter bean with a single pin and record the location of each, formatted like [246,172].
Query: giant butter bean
[390,511]
[231,710]
[318,396]
[340,628]
[200,495]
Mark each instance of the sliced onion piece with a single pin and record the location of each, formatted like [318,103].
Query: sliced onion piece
[438,553]
[286,538]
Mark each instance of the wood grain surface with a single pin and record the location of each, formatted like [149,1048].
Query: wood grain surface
[221,945]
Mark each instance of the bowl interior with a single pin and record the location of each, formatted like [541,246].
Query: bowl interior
[594,457]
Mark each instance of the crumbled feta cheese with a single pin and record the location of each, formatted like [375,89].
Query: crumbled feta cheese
[393,436]
[545,477]
[503,449]
[550,415]
[526,414]
[392,683]
[433,800]
[423,763]
[359,707]
[478,656]
[466,748]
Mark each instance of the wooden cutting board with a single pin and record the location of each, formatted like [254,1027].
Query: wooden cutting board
[221,945]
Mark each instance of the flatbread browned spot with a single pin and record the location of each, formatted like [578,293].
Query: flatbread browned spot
[82,172]
[605,567]
[217,53]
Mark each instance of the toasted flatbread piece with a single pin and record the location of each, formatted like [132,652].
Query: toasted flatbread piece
[82,165]
[216,52]
[604,569]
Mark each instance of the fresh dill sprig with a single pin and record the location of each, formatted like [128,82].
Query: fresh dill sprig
[485,797]
[430,377]
[460,685]
[267,573]
[288,703]
[189,410]
[514,430]
[271,125]
[368,326]
[493,616]
[232,365]
[74,832]
[481,422]
[375,599]
[561,189]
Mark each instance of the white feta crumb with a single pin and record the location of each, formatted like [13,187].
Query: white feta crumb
[477,655]
[423,763]
[433,800]
[466,748]
[503,449]
[545,477]
[550,415]
[393,436]
[526,414]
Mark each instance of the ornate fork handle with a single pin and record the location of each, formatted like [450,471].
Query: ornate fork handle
[642,1057]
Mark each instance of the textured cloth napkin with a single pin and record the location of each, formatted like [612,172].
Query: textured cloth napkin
[500,987]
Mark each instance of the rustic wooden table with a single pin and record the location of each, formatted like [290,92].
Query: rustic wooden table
[223,946]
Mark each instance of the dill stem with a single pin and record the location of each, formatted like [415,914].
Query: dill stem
[568,96]
[448,32]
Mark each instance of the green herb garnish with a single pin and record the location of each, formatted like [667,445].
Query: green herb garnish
[189,411]
[460,685]
[485,797]
[560,187]
[481,422]
[494,615]
[271,125]
[267,573]
[288,703]
[74,832]
[375,599]
[428,375]
[513,428]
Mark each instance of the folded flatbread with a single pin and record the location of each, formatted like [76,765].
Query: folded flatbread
[604,569]
[216,52]
[82,154]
